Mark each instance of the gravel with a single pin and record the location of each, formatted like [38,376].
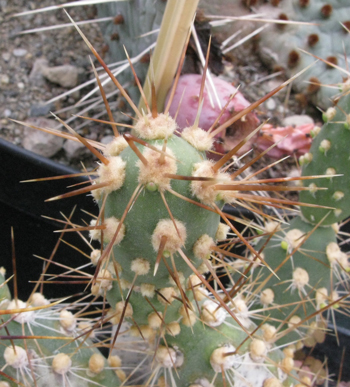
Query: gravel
[23,89]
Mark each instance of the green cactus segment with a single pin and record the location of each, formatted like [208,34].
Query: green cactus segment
[327,39]
[200,357]
[50,360]
[330,155]
[305,278]
[4,290]
[141,309]
[149,209]
[133,20]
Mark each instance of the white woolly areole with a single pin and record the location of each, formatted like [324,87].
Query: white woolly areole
[95,256]
[38,299]
[205,190]
[257,349]
[149,128]
[67,320]
[267,296]
[294,238]
[24,317]
[289,351]
[203,246]
[116,146]
[120,306]
[113,174]
[156,168]
[219,359]
[335,227]
[202,382]
[104,279]
[94,234]
[193,282]
[175,238]
[144,331]
[212,313]
[335,255]
[112,225]
[189,318]
[293,321]
[241,311]
[148,290]
[166,357]
[198,138]
[300,278]
[222,231]
[325,145]
[287,364]
[61,363]
[16,358]
[140,266]
[272,382]
[173,328]
[155,319]
[256,259]
[272,226]
[96,363]
[114,361]
[166,295]
[269,332]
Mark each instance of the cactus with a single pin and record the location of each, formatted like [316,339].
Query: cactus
[159,264]
[329,155]
[46,344]
[305,255]
[131,28]
[324,35]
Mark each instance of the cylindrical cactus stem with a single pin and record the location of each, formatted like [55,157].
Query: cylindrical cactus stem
[131,28]
[50,346]
[330,156]
[307,267]
[217,350]
[4,290]
[320,24]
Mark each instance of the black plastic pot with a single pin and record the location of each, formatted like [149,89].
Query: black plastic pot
[22,206]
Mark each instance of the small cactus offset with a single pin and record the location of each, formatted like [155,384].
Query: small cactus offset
[47,344]
[161,255]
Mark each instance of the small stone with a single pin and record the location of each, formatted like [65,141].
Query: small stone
[20,85]
[270,104]
[7,112]
[74,150]
[65,76]
[6,56]
[41,143]
[4,79]
[41,109]
[19,52]
[36,76]
[297,120]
